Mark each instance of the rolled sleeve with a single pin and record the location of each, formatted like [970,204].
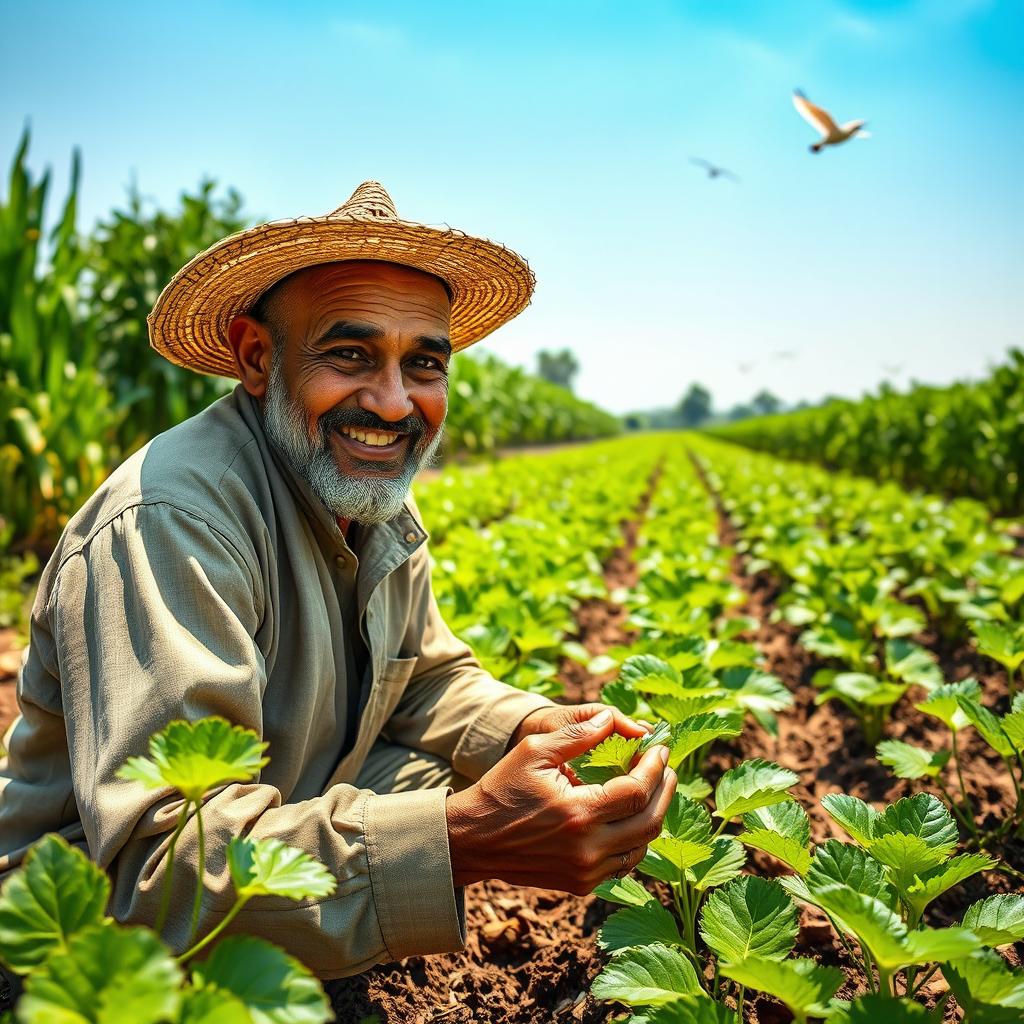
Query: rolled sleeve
[486,739]
[418,908]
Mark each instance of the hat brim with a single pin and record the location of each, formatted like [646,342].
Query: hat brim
[189,322]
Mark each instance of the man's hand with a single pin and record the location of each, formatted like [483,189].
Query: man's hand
[552,719]
[526,823]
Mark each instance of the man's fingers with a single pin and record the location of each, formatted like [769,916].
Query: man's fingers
[626,795]
[618,865]
[552,749]
[623,723]
[644,827]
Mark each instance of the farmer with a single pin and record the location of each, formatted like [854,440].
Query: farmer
[263,561]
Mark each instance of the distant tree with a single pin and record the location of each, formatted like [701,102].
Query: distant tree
[558,367]
[765,403]
[740,412]
[636,421]
[695,406]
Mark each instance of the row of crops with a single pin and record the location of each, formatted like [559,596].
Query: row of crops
[765,886]
[967,439]
[80,388]
[873,584]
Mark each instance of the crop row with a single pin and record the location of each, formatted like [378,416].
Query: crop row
[966,439]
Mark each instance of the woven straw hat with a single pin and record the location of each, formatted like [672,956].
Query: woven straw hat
[189,323]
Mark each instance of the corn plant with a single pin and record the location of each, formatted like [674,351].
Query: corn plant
[79,965]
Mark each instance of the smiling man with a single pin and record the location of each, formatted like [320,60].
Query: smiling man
[263,561]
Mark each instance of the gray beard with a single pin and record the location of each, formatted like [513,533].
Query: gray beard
[369,499]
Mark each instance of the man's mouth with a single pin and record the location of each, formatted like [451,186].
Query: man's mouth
[371,444]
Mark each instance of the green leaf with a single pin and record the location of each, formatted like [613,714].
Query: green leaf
[626,891]
[267,867]
[687,1010]
[696,732]
[921,815]
[644,670]
[726,862]
[212,1006]
[930,944]
[620,696]
[638,926]
[944,703]
[911,663]
[997,920]
[800,983]
[859,688]
[660,735]
[750,785]
[878,1009]
[985,984]
[680,853]
[853,814]
[680,709]
[836,863]
[1000,643]
[660,867]
[609,759]
[909,762]
[749,916]
[195,757]
[275,987]
[687,819]
[694,787]
[787,818]
[57,892]
[105,975]
[906,856]
[988,725]
[931,884]
[647,976]
[792,853]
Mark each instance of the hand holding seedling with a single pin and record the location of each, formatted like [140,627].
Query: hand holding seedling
[526,822]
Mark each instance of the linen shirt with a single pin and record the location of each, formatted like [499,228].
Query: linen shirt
[205,578]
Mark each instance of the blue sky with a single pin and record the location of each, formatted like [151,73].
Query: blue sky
[566,131]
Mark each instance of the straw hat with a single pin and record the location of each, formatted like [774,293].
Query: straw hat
[189,323]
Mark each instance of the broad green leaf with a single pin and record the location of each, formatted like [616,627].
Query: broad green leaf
[687,819]
[195,757]
[1013,728]
[275,987]
[57,892]
[696,732]
[626,891]
[939,944]
[879,1009]
[680,853]
[750,785]
[680,709]
[660,867]
[620,696]
[853,814]
[726,862]
[931,884]
[911,663]
[944,703]
[660,735]
[988,725]
[997,920]
[105,975]
[687,1010]
[800,983]
[644,670]
[638,926]
[609,759]
[694,787]
[787,818]
[793,854]
[267,867]
[906,857]
[856,688]
[1001,643]
[647,976]
[920,815]
[984,984]
[836,863]
[212,1005]
[749,916]
[910,762]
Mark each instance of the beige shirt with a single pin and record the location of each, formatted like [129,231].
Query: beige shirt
[204,578]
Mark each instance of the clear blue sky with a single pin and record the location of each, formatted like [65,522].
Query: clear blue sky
[566,130]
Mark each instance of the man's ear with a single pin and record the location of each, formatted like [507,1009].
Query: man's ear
[252,348]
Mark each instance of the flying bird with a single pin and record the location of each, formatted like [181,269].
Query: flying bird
[714,171]
[821,120]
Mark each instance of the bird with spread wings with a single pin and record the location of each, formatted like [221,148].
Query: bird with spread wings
[831,133]
[714,171]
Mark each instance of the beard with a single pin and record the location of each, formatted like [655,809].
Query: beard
[363,499]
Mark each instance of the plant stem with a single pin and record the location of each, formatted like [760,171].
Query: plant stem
[200,876]
[968,805]
[968,823]
[228,918]
[924,979]
[165,895]
[739,1005]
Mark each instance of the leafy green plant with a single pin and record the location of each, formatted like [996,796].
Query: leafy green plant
[1003,643]
[79,965]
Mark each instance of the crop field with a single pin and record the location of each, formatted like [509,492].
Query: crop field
[834,663]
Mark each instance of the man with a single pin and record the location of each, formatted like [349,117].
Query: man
[262,561]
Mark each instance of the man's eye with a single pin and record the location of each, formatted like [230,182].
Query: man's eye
[346,353]
[427,363]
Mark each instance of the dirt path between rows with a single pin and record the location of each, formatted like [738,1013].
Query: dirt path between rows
[530,954]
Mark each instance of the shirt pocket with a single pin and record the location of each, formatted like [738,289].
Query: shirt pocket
[387,692]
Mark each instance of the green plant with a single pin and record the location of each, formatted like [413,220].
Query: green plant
[80,966]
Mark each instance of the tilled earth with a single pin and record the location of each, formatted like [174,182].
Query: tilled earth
[530,955]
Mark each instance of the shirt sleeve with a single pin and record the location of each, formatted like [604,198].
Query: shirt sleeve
[451,706]
[156,619]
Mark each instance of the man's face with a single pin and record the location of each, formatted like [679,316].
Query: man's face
[358,384]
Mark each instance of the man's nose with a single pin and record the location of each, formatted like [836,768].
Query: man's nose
[387,396]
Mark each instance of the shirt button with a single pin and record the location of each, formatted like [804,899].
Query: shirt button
[410,537]
[341,561]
